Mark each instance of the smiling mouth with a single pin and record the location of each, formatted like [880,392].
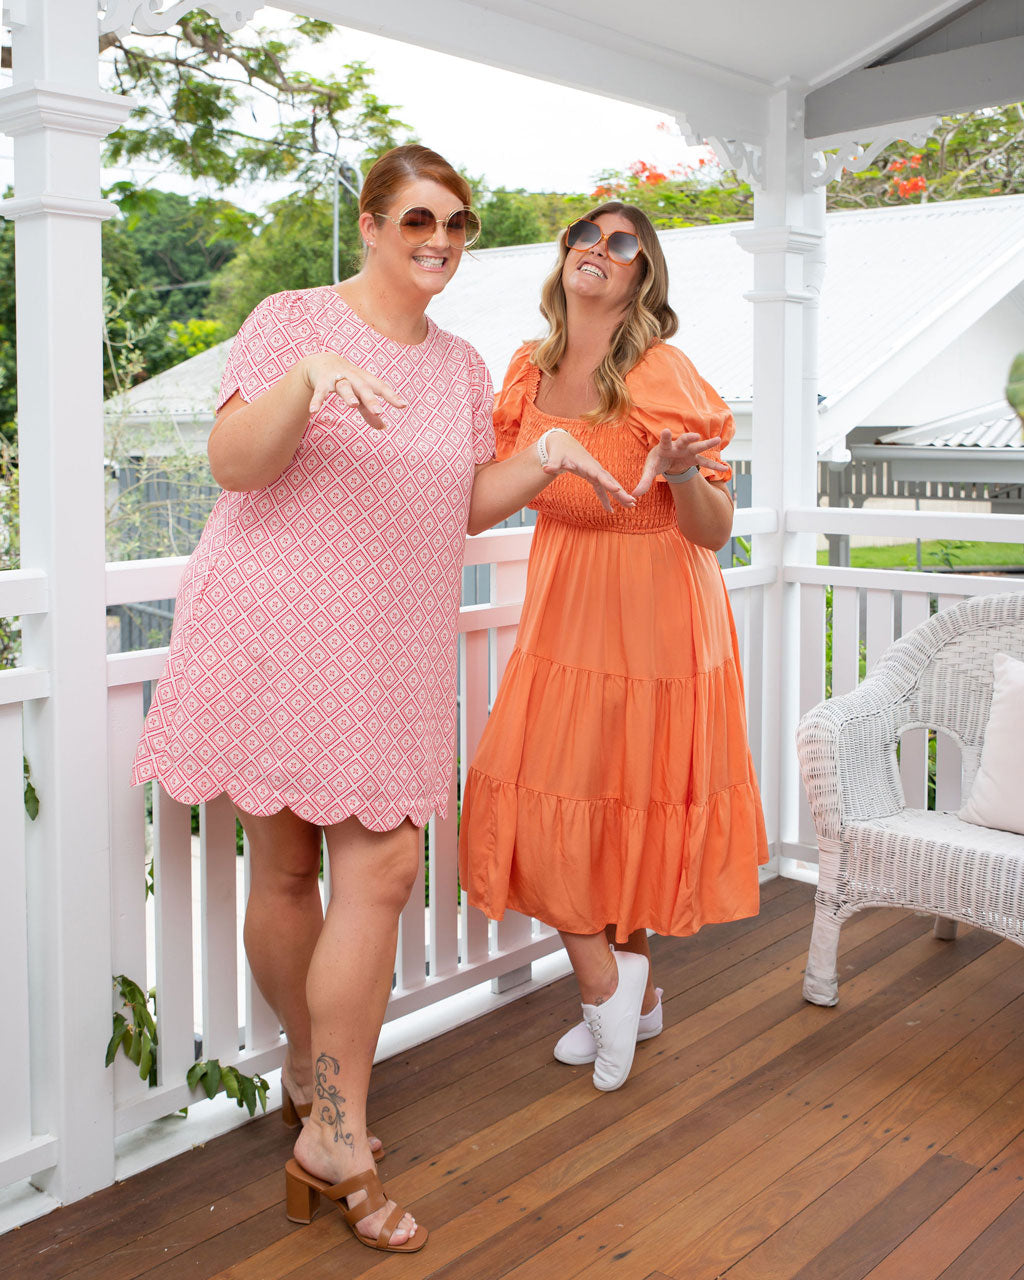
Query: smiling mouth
[430,263]
[590,269]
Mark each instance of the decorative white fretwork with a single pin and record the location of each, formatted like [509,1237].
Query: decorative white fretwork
[745,158]
[151,17]
[828,158]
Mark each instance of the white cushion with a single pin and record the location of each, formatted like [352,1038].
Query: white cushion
[997,796]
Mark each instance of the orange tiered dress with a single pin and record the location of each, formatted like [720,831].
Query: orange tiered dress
[613,782]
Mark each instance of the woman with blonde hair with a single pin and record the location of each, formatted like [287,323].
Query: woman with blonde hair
[311,670]
[613,790]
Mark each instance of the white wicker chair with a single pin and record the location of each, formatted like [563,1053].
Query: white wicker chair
[873,850]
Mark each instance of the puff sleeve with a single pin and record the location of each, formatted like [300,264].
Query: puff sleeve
[508,406]
[668,391]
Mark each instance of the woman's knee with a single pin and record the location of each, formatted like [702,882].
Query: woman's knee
[398,868]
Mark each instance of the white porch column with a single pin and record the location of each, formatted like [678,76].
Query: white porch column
[57,116]
[787,242]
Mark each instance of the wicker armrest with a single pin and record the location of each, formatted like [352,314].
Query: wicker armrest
[847,750]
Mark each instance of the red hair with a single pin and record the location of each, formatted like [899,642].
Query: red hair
[405,164]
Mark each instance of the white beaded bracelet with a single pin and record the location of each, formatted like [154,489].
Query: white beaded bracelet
[542,451]
[681,477]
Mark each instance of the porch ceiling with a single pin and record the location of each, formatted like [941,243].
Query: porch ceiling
[714,67]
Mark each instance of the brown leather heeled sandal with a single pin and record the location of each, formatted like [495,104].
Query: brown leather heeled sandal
[302,1199]
[293,1115]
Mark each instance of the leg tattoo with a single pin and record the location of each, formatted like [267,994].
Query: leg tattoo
[329,1100]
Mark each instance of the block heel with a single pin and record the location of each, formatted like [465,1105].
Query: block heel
[301,1200]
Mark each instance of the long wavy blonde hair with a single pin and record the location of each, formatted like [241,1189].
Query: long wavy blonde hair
[648,319]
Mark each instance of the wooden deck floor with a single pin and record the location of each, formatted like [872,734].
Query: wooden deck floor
[757,1137]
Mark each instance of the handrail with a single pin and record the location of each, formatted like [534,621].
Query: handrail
[23,591]
[984,527]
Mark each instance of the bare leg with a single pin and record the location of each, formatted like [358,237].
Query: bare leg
[347,993]
[637,943]
[283,920]
[593,965]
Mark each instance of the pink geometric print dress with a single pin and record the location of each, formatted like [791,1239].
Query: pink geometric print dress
[312,658]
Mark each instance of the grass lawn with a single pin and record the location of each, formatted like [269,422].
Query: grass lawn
[955,554]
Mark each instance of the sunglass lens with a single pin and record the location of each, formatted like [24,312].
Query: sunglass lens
[623,247]
[417,225]
[583,235]
[463,227]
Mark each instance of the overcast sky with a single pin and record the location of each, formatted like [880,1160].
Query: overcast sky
[508,129]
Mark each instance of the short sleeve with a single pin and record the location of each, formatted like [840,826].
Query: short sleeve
[508,407]
[667,391]
[264,349]
[482,403]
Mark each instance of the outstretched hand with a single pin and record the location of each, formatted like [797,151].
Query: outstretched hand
[566,456]
[329,374]
[677,455]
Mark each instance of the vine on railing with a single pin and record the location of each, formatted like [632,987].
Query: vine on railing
[137,1039]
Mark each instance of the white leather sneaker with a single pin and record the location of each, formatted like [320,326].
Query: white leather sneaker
[614,1023]
[577,1046]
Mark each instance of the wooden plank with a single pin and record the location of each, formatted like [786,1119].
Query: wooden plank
[849,1176]
[936,1244]
[997,1252]
[872,1236]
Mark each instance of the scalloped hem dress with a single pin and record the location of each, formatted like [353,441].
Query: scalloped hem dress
[613,783]
[312,658]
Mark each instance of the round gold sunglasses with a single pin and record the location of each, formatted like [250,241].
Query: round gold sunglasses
[417,225]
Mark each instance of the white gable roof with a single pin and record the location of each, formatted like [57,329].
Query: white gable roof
[901,284]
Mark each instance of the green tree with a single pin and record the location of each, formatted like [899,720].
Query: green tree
[509,217]
[172,247]
[686,196]
[195,89]
[291,251]
[979,153]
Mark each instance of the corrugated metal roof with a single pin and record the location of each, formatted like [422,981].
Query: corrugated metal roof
[891,273]
[992,426]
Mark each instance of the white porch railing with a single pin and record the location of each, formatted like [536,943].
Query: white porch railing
[446,947]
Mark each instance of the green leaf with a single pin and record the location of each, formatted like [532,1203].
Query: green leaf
[229,1077]
[211,1082]
[132,1045]
[145,1058]
[195,1073]
[120,1027]
[1015,385]
[31,801]
[262,1088]
[248,1091]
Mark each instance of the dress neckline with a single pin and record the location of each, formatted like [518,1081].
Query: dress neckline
[399,346]
[532,393]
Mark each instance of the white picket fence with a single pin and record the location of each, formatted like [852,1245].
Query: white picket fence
[447,947]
